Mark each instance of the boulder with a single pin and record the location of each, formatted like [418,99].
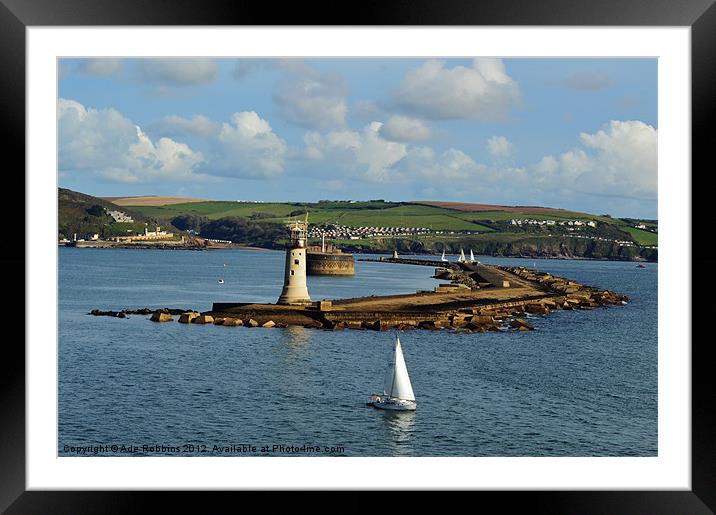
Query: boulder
[521,325]
[219,321]
[483,319]
[537,309]
[203,319]
[270,323]
[188,317]
[233,322]
[441,323]
[251,323]
[158,316]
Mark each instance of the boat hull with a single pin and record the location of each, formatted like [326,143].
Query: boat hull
[394,405]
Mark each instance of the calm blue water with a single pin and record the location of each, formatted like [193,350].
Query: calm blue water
[584,383]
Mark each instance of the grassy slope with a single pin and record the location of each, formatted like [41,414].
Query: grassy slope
[405,215]
[642,237]
[408,215]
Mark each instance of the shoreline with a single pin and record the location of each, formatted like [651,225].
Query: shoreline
[250,247]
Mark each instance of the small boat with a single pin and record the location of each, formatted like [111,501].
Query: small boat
[443,258]
[221,281]
[472,257]
[397,391]
[640,266]
[461,259]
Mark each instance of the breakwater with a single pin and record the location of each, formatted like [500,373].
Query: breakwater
[503,302]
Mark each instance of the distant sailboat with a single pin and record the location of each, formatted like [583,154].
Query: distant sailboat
[472,257]
[461,259]
[443,258]
[397,390]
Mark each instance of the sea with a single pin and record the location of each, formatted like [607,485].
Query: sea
[583,383]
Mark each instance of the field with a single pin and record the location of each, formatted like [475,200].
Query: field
[642,237]
[150,200]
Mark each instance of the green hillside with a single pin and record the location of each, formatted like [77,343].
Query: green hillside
[85,215]
[372,226]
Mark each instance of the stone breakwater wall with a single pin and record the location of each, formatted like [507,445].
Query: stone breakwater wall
[460,312]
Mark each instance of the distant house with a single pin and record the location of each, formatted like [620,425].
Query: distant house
[120,216]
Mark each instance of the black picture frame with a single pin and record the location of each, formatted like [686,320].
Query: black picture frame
[17,15]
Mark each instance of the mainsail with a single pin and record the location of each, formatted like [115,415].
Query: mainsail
[472,256]
[462,256]
[443,258]
[397,381]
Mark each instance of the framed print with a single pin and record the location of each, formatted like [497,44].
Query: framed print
[417,250]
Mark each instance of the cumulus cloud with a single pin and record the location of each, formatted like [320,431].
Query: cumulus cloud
[405,129]
[452,165]
[100,67]
[365,153]
[309,98]
[103,142]
[619,160]
[247,147]
[178,71]
[499,147]
[482,91]
[198,125]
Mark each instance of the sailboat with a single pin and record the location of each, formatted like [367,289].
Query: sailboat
[472,257]
[397,390]
[443,258]
[461,259]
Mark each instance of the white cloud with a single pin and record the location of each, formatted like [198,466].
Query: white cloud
[100,67]
[178,71]
[367,156]
[452,165]
[248,148]
[619,160]
[309,98]
[482,91]
[103,142]
[405,129]
[499,147]
[197,125]
[363,154]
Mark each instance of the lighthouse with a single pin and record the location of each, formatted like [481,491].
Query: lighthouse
[295,290]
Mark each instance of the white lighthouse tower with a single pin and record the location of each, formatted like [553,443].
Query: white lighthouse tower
[295,290]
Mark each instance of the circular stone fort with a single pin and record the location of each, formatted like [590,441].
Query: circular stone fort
[329,262]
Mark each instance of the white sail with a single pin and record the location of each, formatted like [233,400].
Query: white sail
[443,258]
[472,256]
[462,256]
[397,381]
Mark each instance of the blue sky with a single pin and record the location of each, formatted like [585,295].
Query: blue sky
[573,133]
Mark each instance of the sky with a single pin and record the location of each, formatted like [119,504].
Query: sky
[579,134]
